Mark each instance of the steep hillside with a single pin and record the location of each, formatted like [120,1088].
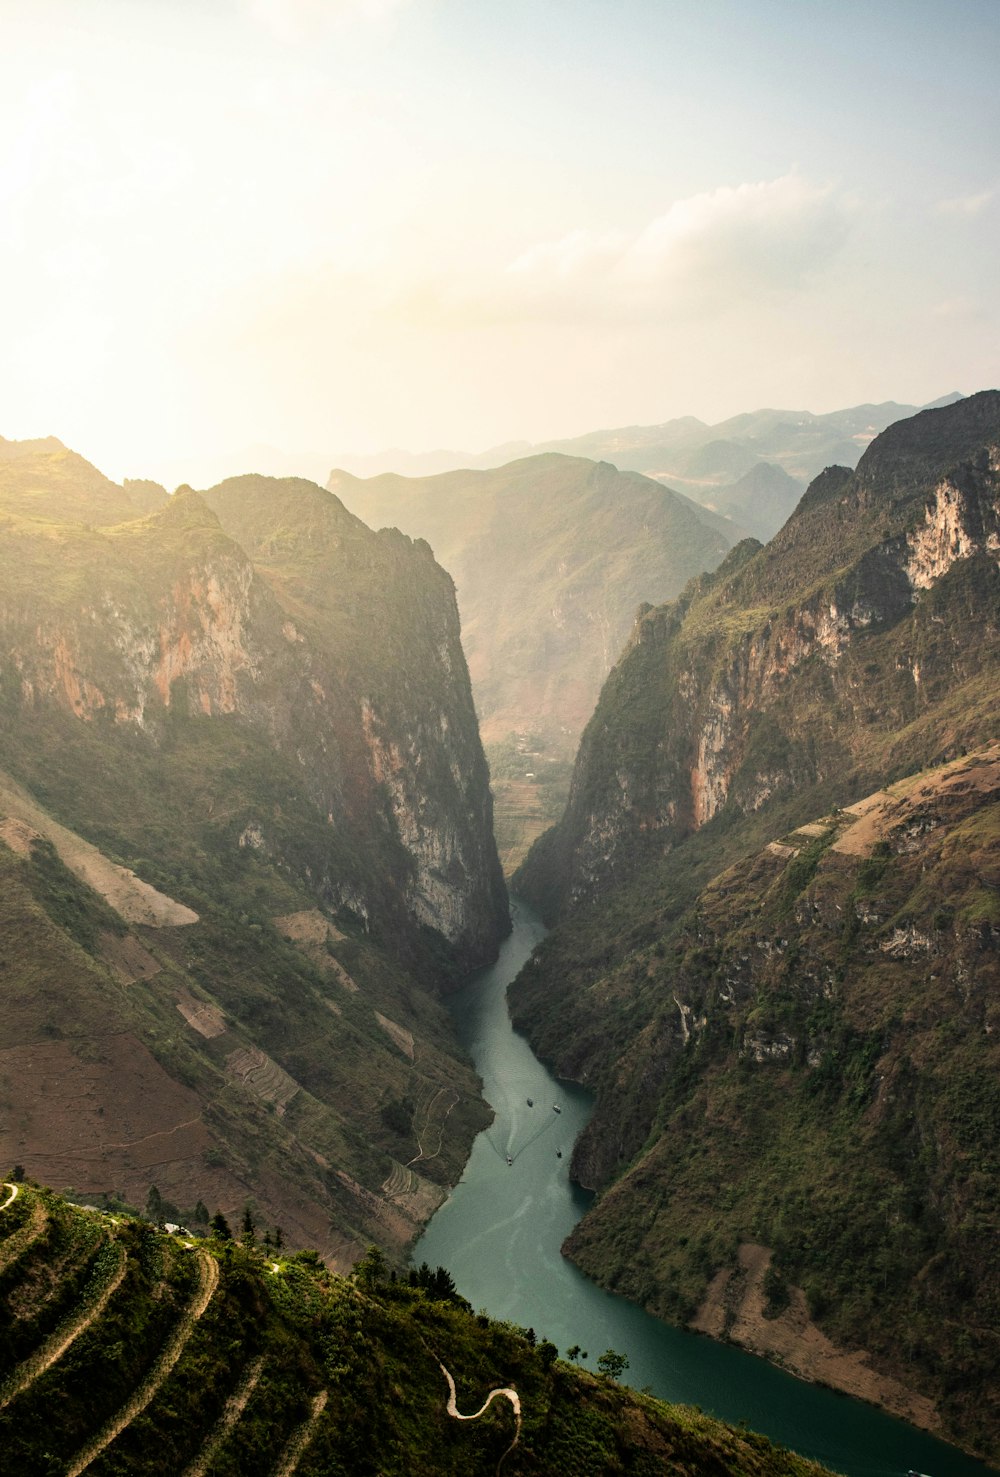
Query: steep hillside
[847,650]
[780,975]
[129,1351]
[246,826]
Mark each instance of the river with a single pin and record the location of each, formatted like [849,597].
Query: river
[500,1231]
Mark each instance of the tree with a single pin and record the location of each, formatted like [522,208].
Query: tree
[612,1364]
[154,1205]
[248,1231]
[201,1213]
[18,1175]
[221,1226]
[371,1269]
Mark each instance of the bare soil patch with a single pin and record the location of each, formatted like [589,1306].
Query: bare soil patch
[134,900]
[734,1309]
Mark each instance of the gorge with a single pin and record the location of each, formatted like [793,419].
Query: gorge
[248,848]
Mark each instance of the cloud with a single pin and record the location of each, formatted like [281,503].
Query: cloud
[293,20]
[772,236]
[965,204]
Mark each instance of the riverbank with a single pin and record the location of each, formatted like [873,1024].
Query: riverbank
[501,1229]
[734,1310]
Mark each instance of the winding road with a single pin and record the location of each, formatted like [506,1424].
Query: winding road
[507,1393]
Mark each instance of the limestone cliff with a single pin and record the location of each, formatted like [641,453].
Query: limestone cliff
[841,649]
[776,951]
[351,665]
[245,841]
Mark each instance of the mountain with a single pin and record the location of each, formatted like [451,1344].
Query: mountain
[247,836]
[140,1352]
[708,462]
[551,556]
[776,960]
[761,499]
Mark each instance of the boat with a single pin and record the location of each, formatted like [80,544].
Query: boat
[556,1108]
[509,1160]
[559,1153]
[531,1102]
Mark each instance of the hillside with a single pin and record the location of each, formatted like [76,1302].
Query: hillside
[550,556]
[129,1351]
[777,885]
[246,834]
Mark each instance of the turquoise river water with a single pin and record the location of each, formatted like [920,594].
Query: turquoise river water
[500,1231]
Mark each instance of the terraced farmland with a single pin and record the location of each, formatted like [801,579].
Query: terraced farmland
[125,1351]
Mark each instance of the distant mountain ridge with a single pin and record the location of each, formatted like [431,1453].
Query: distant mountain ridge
[551,555]
[692,456]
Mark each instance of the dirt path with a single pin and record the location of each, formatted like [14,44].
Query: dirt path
[234,1408]
[208,1281]
[57,1343]
[506,1394]
[428,1125]
[11,1197]
[299,1440]
[33,1227]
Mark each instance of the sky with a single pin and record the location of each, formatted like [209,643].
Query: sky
[331,226]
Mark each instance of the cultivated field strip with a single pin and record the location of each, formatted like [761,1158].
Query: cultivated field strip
[299,1440]
[55,1275]
[234,1408]
[58,1342]
[33,1228]
[208,1279]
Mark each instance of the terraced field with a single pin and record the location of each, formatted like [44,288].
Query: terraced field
[126,1352]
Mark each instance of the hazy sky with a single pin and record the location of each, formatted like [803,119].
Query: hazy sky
[332,225]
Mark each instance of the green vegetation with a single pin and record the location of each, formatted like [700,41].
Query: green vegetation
[266,1351]
[793,1042]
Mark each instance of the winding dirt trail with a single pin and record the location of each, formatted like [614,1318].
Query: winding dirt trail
[11,1197]
[58,1342]
[299,1440]
[33,1227]
[234,1408]
[507,1393]
[208,1281]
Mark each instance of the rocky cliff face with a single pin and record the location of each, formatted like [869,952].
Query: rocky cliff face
[245,840]
[351,664]
[838,648]
[776,950]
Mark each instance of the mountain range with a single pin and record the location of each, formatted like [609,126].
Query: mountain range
[780,451]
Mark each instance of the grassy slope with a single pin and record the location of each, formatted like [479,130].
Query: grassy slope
[373,1346]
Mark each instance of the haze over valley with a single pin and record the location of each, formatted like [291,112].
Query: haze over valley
[499,950]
